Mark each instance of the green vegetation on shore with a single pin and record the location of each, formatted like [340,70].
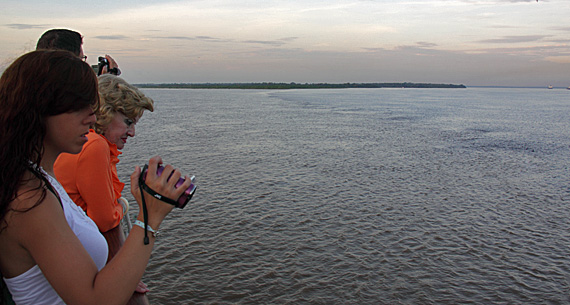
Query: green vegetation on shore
[269,85]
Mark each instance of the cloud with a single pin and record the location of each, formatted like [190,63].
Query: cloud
[289,39]
[515,39]
[564,29]
[419,48]
[423,44]
[560,40]
[559,59]
[191,38]
[537,52]
[276,42]
[206,38]
[176,38]
[497,1]
[266,42]
[111,37]
[374,49]
[502,26]
[22,26]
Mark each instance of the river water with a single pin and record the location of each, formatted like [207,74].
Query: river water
[362,196]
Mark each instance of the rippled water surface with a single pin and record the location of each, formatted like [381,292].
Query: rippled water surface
[362,196]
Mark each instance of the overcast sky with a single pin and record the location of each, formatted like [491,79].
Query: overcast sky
[471,42]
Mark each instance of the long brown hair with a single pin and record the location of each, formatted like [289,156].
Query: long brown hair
[37,85]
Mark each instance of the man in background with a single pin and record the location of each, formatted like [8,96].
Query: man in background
[72,41]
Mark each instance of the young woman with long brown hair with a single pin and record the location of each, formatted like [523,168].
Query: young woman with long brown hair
[51,252]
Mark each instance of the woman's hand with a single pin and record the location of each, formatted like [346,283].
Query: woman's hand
[165,185]
[142,288]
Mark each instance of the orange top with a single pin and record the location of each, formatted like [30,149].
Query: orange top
[90,178]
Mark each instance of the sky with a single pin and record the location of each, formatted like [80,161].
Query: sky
[470,42]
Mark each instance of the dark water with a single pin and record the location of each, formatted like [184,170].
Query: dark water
[362,196]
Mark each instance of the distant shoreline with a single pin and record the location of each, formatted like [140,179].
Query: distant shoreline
[270,85]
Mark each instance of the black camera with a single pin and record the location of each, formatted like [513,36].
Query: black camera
[185,197]
[102,63]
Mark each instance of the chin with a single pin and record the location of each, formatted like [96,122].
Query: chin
[73,151]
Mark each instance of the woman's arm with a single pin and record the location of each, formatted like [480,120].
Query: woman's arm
[45,234]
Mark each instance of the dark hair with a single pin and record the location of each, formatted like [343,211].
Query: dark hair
[61,39]
[37,85]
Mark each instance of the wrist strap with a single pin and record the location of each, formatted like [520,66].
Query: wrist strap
[145,213]
[147,227]
[143,186]
[157,195]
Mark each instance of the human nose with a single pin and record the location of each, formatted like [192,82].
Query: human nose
[91,119]
[131,130]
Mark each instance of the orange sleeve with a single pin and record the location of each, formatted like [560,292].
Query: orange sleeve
[95,184]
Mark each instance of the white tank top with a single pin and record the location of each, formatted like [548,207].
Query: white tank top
[31,287]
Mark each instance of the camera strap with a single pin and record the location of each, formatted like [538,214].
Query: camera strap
[157,195]
[146,188]
[145,212]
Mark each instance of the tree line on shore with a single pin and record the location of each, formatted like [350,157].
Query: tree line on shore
[271,85]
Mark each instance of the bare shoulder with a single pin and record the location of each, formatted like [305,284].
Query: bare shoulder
[33,214]
[29,194]
[38,234]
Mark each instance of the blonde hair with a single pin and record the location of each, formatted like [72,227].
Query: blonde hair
[116,95]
